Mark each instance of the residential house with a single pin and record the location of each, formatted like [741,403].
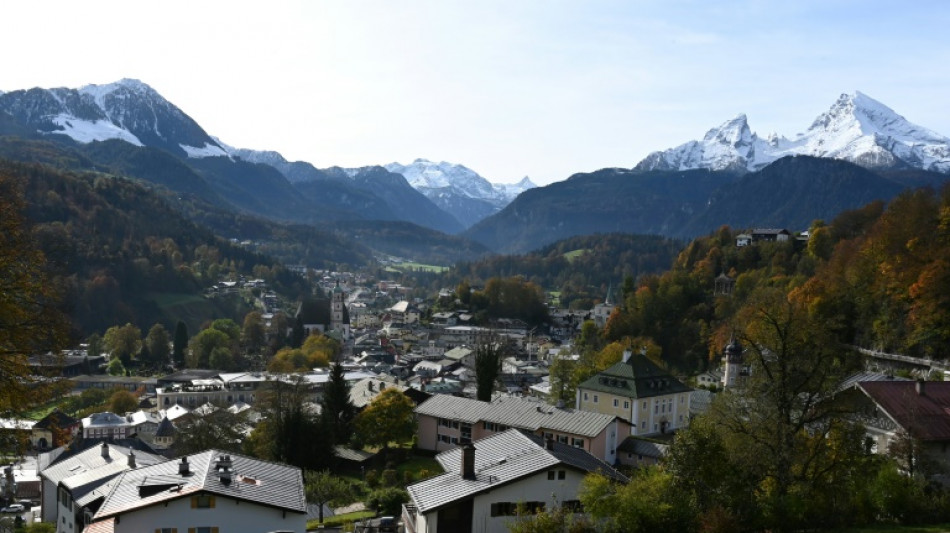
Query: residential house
[638,451]
[895,409]
[771,234]
[487,481]
[444,422]
[461,355]
[53,430]
[107,426]
[205,492]
[638,391]
[71,474]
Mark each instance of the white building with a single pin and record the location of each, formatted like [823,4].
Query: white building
[205,492]
[107,425]
[485,483]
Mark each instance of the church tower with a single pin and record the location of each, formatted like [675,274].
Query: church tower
[339,320]
[733,365]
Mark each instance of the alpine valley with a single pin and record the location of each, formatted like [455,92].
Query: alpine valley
[856,152]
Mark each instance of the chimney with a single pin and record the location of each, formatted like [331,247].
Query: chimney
[105,450]
[468,461]
[223,466]
[920,388]
[183,467]
[626,355]
[131,459]
[549,442]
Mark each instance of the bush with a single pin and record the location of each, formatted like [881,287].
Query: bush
[372,478]
[388,478]
[387,501]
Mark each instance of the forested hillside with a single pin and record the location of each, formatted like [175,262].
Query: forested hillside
[120,254]
[581,269]
[875,277]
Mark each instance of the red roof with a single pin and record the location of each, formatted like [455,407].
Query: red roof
[925,414]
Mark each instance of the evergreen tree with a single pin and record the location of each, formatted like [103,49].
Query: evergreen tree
[180,343]
[487,368]
[338,409]
[297,334]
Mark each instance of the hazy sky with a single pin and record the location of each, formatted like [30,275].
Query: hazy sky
[508,88]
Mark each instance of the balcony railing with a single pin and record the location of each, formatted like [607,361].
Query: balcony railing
[409,517]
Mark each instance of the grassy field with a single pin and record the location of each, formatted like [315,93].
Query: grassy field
[574,254]
[402,267]
[341,520]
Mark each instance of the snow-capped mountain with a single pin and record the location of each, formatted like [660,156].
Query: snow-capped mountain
[856,128]
[459,190]
[128,110]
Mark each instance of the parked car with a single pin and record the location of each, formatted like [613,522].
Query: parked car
[13,508]
[387,524]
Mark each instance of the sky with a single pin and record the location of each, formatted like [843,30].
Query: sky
[543,89]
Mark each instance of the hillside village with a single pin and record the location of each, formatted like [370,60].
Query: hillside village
[517,451]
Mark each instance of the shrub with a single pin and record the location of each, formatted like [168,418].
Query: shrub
[387,501]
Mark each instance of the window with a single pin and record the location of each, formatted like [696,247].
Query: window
[202,501]
[644,405]
[562,439]
[203,529]
[577,443]
[167,530]
[682,398]
[616,402]
[643,425]
[550,475]
[595,398]
[626,404]
[561,474]
[466,432]
[585,396]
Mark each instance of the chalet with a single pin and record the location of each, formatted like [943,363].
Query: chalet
[54,430]
[770,234]
[485,482]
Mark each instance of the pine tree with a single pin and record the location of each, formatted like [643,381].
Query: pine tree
[180,343]
[338,409]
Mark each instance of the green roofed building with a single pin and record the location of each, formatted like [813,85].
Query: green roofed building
[639,391]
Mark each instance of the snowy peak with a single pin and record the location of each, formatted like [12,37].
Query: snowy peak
[128,110]
[856,128]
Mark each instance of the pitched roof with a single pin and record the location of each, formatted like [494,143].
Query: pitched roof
[165,428]
[925,414]
[91,459]
[638,377]
[262,482]
[646,448]
[500,459]
[56,418]
[519,412]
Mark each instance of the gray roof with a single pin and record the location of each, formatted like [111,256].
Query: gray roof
[518,412]
[262,482]
[500,459]
[92,459]
[365,390]
[638,377]
[646,448]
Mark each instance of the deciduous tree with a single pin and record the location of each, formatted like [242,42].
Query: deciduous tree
[387,419]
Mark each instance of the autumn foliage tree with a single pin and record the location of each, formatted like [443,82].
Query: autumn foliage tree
[30,323]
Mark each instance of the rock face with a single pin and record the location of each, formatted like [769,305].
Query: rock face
[857,129]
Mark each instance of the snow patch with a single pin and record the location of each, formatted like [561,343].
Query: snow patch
[208,150]
[86,131]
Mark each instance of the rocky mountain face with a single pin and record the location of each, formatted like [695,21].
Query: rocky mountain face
[459,190]
[791,193]
[128,110]
[857,129]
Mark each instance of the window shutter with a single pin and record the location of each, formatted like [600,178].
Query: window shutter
[194,505]
[211,503]
[214,529]
[191,530]
[157,530]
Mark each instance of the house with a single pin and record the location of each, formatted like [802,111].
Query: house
[107,425]
[486,482]
[638,451]
[75,473]
[892,409]
[53,430]
[462,355]
[204,492]
[638,391]
[743,239]
[444,422]
[770,234]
